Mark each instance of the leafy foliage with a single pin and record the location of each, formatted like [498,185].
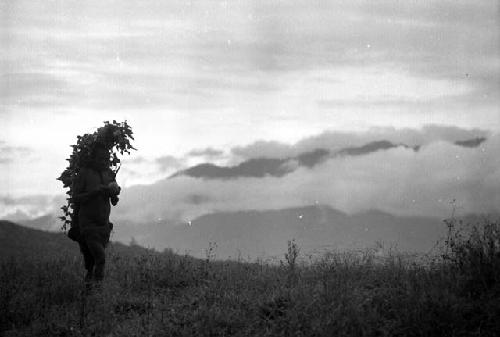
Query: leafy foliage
[115,137]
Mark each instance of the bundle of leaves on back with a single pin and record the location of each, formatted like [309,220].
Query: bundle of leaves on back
[115,137]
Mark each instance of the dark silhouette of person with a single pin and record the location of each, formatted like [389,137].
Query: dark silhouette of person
[94,189]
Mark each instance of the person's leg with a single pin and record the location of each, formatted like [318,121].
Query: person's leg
[88,260]
[96,248]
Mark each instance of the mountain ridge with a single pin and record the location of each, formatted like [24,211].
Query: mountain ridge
[265,232]
[279,167]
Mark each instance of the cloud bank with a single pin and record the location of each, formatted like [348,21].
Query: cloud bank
[337,140]
[31,206]
[397,180]
[450,164]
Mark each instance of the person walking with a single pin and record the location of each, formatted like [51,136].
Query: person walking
[94,191]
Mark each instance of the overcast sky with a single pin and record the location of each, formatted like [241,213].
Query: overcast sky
[197,79]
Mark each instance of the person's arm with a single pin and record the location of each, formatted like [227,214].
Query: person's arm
[113,190]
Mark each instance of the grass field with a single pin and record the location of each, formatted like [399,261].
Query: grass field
[146,293]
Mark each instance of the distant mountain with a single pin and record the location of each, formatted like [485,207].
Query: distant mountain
[373,147]
[253,234]
[265,233]
[261,167]
[474,142]
[278,167]
[258,167]
[312,158]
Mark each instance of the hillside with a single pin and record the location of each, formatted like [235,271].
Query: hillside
[151,294]
[22,242]
[16,240]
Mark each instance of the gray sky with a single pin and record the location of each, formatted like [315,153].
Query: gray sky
[201,77]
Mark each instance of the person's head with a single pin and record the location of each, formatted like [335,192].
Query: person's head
[100,157]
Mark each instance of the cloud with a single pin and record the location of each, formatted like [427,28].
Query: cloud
[334,141]
[349,163]
[235,72]
[398,180]
[265,165]
[29,205]
[214,55]
[138,160]
[35,89]
[262,149]
[138,169]
[168,163]
[206,153]
[8,153]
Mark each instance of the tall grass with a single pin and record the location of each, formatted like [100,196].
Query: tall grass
[340,293]
[473,253]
